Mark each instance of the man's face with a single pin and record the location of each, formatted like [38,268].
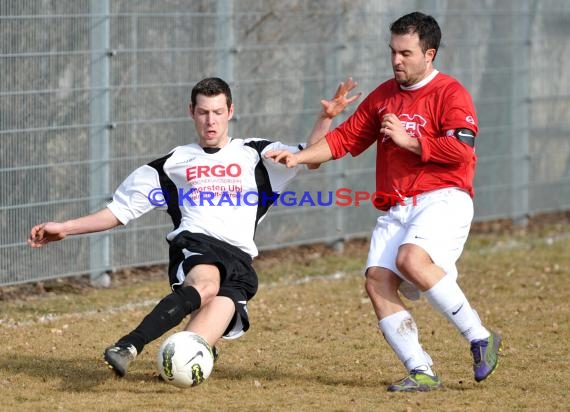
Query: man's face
[409,62]
[211,119]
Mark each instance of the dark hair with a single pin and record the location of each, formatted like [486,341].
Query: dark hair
[425,26]
[211,86]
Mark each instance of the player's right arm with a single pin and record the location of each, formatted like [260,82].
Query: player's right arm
[332,108]
[318,150]
[47,232]
[131,200]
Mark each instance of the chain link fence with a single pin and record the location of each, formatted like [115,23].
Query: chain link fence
[90,90]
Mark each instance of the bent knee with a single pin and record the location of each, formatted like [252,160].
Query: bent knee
[207,290]
[380,280]
[411,259]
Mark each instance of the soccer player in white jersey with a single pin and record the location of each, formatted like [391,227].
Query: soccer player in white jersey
[424,125]
[216,192]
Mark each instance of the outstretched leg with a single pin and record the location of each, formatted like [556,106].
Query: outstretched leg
[199,288]
[400,331]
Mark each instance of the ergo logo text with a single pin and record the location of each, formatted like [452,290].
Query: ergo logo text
[197,172]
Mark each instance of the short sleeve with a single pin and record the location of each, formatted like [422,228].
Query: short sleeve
[139,193]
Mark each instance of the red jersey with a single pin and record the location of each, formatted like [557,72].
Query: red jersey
[430,112]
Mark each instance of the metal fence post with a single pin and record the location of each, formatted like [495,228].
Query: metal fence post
[331,82]
[225,39]
[520,164]
[99,256]
[225,43]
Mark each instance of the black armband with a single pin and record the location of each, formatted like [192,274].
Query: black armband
[467,136]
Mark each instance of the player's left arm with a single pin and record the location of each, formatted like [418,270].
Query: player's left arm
[457,146]
[455,143]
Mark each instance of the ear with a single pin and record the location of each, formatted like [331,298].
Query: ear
[191,111]
[231,112]
[430,55]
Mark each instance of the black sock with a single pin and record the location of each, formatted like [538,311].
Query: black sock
[167,314]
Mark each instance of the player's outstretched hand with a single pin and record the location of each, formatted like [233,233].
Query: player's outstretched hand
[282,156]
[45,233]
[340,100]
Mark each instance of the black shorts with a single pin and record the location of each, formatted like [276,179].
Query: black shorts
[238,279]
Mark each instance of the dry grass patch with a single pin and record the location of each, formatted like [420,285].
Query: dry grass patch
[314,344]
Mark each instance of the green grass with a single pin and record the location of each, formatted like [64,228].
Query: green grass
[314,343]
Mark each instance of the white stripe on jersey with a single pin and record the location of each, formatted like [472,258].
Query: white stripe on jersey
[187,253]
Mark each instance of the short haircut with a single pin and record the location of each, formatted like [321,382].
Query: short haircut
[211,86]
[424,25]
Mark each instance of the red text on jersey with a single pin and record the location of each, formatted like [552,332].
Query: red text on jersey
[197,172]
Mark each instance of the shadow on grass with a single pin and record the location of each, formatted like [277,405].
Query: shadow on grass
[265,373]
[84,374]
[87,374]
[77,374]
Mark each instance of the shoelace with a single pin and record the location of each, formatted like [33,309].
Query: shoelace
[416,371]
[123,349]
[476,347]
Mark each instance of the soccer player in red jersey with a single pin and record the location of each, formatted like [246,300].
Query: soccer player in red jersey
[425,126]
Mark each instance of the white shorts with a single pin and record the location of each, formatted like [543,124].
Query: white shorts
[437,221]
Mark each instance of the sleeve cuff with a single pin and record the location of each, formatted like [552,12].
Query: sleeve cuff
[116,211]
[425,150]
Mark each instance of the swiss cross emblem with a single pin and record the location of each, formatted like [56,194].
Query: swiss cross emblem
[413,124]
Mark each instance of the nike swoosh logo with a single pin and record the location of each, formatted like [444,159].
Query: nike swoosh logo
[464,134]
[457,311]
[199,353]
[187,253]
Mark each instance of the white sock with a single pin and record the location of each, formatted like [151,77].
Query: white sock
[447,297]
[401,333]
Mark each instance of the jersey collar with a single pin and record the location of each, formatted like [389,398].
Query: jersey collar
[212,150]
[422,83]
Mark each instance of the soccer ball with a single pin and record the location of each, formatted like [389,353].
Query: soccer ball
[185,359]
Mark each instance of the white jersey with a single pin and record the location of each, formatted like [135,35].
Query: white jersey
[223,193]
